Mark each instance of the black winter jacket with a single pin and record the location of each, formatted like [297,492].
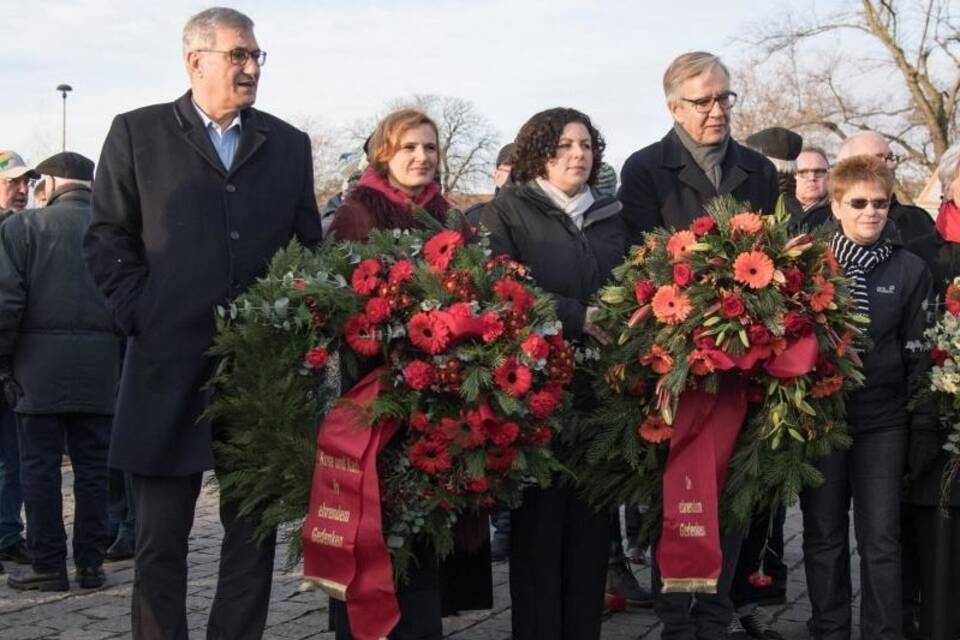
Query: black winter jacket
[662,186]
[900,294]
[567,262]
[912,222]
[54,323]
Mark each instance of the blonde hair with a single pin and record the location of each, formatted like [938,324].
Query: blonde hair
[859,170]
[385,140]
[689,65]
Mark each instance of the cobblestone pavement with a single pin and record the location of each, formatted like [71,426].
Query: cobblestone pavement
[294,615]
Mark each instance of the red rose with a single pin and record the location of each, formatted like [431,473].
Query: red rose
[504,433]
[439,249]
[825,367]
[759,334]
[794,281]
[401,272]
[644,290]
[703,341]
[378,309]
[731,305]
[797,324]
[542,404]
[478,485]
[682,274]
[703,225]
[419,374]
[512,378]
[316,358]
[364,279]
[939,356]
[536,347]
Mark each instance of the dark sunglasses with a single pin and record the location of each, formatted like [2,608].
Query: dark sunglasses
[861,203]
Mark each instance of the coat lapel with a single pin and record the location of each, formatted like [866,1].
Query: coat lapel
[193,131]
[252,137]
[733,172]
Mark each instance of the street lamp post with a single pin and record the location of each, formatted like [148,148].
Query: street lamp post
[64,89]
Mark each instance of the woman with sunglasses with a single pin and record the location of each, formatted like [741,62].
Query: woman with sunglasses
[892,288]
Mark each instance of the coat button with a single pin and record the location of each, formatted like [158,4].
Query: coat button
[231,188]
[234,235]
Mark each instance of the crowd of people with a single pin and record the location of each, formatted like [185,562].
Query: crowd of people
[107,298]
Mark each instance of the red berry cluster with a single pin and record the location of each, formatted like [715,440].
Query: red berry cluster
[460,284]
[449,376]
[561,363]
[319,318]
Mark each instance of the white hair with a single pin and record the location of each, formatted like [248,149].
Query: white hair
[949,164]
[200,30]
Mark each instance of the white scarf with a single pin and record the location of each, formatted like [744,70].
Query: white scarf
[573,206]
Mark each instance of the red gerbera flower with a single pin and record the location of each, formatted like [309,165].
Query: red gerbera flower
[468,434]
[501,458]
[512,378]
[419,374]
[429,331]
[478,485]
[362,335]
[430,456]
[515,293]
[401,271]
[378,309]
[365,278]
[439,249]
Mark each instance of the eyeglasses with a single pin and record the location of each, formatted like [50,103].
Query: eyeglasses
[22,181]
[239,56]
[811,174]
[861,203]
[705,105]
[890,158]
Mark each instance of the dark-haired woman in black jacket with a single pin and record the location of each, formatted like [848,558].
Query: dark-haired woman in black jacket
[570,237]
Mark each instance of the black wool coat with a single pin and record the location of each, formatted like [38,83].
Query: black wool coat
[173,235]
[662,186]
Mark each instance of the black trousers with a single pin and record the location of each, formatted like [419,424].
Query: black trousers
[165,508]
[700,616]
[757,545]
[871,474]
[42,440]
[938,547]
[558,566]
[419,601]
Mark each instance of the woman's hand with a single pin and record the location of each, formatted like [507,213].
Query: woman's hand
[591,329]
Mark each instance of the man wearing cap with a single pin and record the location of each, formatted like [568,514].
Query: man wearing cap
[59,365]
[15,179]
[192,199]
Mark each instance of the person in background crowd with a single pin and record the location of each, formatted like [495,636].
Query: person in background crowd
[501,177]
[40,194]
[781,147]
[809,206]
[912,222]
[179,227]
[936,534]
[892,287]
[570,237]
[15,180]
[404,156]
[59,363]
[668,184]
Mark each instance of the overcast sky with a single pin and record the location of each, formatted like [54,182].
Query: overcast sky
[336,62]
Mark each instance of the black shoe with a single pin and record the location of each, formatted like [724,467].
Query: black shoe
[755,626]
[121,549]
[29,580]
[622,583]
[16,552]
[91,577]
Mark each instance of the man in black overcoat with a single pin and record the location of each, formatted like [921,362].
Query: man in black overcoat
[668,184]
[191,200]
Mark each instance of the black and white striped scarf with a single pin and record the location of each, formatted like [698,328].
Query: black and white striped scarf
[857,261]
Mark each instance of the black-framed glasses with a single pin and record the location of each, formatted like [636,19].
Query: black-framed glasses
[879,204]
[239,56]
[811,174]
[704,105]
[890,158]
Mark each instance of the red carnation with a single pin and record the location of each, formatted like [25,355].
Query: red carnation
[430,456]
[644,290]
[703,225]
[939,356]
[732,305]
[512,378]
[794,282]
[478,485]
[515,293]
[759,334]
[460,310]
[542,404]
[419,374]
[429,331]
[361,335]
[501,458]
[682,274]
[492,327]
[316,358]
[401,271]
[364,279]
[536,347]
[419,422]
[797,324]
[439,249]
[378,309]
[503,434]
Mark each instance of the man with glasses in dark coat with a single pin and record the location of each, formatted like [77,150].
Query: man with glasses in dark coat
[192,199]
